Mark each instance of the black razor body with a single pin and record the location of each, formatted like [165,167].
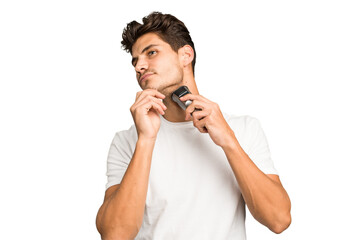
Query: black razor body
[177,94]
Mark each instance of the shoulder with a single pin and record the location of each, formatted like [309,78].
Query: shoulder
[247,128]
[128,137]
[242,122]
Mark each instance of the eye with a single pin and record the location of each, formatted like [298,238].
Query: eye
[150,53]
[134,63]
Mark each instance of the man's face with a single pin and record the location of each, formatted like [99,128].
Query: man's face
[156,64]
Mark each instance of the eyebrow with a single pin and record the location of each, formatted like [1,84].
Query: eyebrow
[133,60]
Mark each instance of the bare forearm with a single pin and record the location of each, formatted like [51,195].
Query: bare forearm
[265,197]
[122,212]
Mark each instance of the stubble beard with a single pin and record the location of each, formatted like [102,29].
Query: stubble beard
[167,87]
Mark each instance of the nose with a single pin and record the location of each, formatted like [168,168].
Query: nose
[141,66]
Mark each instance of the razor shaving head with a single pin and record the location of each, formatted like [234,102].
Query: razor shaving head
[177,94]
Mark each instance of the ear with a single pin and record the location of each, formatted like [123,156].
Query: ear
[186,54]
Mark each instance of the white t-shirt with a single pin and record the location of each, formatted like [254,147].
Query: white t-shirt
[192,192]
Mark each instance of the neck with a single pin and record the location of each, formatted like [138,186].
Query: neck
[174,113]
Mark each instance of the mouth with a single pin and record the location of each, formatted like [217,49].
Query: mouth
[145,76]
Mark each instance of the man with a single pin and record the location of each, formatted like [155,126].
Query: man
[179,174]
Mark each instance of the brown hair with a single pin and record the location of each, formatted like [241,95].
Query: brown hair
[167,27]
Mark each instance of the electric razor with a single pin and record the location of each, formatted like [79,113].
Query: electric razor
[177,94]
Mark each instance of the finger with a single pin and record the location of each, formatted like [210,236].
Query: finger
[201,125]
[199,115]
[148,106]
[196,105]
[149,92]
[144,94]
[158,101]
[194,97]
[145,104]
[149,98]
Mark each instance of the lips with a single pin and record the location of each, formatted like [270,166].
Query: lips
[145,76]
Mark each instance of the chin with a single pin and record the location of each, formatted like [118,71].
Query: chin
[166,89]
[150,86]
[169,89]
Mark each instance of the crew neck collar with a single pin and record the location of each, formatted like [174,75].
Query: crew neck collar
[184,124]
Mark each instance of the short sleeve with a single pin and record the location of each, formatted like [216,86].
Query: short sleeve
[118,159]
[258,150]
